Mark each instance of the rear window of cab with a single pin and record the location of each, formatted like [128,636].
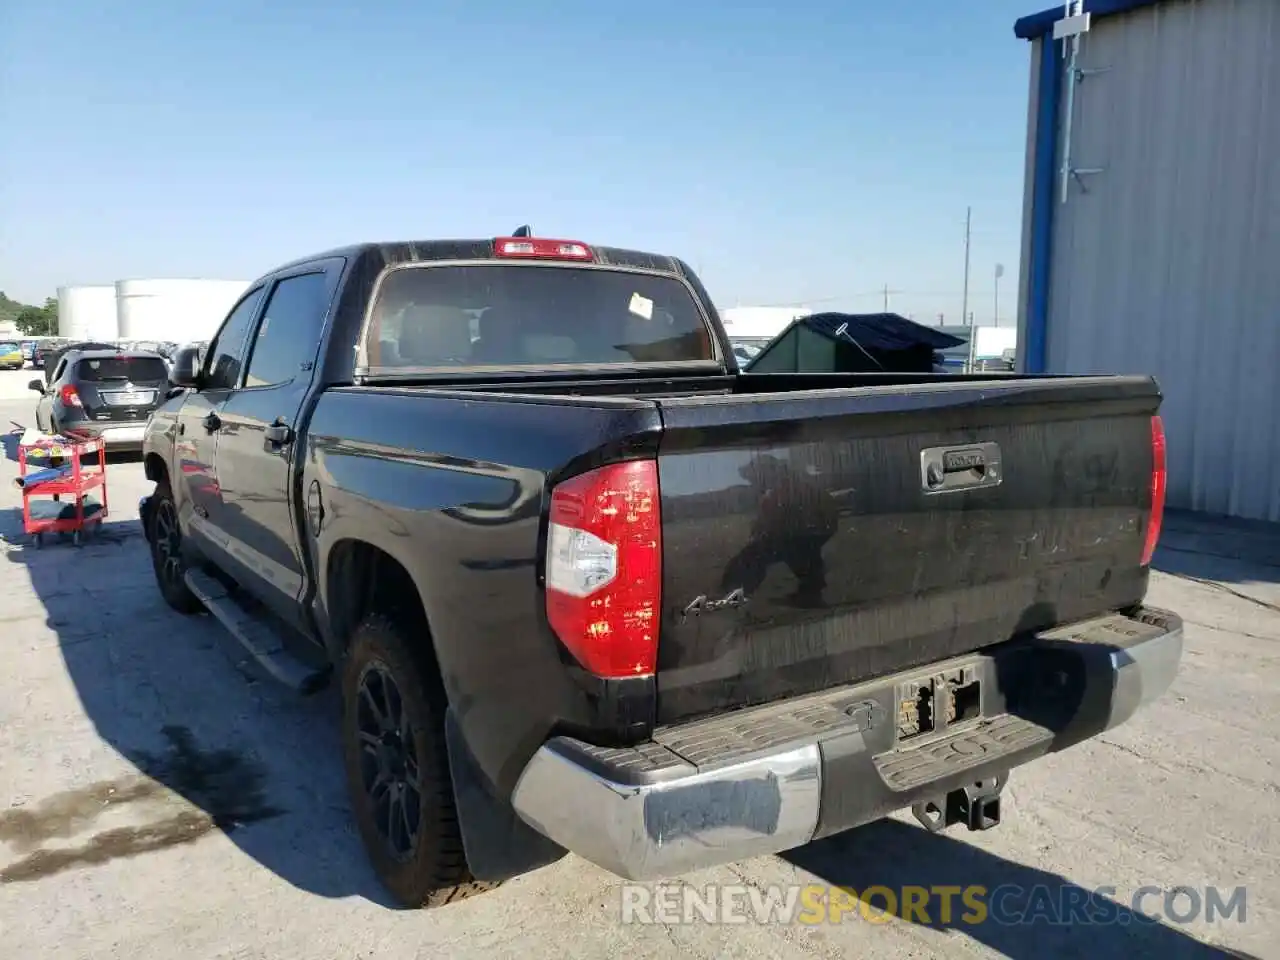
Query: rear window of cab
[532,316]
[132,369]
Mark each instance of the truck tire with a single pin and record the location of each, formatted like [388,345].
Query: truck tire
[164,536]
[397,769]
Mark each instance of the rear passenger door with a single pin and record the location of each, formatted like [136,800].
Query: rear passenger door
[257,438]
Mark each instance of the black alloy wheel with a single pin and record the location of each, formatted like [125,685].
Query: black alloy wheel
[165,536]
[397,765]
[389,761]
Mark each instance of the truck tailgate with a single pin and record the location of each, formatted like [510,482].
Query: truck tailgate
[822,537]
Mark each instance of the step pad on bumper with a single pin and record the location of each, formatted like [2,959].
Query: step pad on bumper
[746,732]
[721,741]
[1002,736]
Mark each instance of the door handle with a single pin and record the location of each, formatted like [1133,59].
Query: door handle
[968,467]
[212,422]
[279,433]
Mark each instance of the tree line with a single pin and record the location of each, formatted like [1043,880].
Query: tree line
[31,321]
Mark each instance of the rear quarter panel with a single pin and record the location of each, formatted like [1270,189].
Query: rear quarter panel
[452,486]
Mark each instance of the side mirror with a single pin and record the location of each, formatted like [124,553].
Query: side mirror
[186,368]
[37,386]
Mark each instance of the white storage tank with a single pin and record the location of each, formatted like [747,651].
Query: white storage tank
[88,312]
[180,311]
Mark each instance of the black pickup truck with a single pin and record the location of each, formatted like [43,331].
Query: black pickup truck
[586,587]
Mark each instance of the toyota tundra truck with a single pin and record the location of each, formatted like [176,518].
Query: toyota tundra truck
[586,587]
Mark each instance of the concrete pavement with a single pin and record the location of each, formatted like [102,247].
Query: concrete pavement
[13,386]
[159,798]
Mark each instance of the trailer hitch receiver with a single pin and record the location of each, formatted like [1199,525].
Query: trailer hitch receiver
[976,805]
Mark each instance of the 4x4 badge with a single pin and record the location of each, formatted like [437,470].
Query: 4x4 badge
[701,604]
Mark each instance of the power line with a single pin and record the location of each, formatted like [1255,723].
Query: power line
[863,294]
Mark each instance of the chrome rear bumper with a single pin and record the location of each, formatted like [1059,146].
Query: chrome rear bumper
[735,787]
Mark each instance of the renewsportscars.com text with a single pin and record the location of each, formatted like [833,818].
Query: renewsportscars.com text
[1011,904]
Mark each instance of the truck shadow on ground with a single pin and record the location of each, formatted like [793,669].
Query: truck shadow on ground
[214,746]
[1026,906]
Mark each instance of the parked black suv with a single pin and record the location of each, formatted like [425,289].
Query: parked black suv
[101,393]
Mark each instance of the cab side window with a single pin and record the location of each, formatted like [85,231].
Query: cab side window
[225,355]
[289,333]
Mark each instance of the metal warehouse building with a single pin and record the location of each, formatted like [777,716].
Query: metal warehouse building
[1151,225]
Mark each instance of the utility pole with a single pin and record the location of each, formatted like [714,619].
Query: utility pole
[999,274]
[964,309]
[966,317]
[885,290]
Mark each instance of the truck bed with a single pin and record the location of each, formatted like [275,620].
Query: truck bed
[810,501]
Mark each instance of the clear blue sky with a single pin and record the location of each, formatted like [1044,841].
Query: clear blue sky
[793,152]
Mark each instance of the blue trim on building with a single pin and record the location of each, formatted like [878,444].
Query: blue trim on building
[1038,28]
[1036,25]
[1044,178]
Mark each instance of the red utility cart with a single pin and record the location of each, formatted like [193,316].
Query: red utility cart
[44,509]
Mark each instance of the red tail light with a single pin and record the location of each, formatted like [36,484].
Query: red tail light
[1158,481]
[604,568]
[538,248]
[69,396]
